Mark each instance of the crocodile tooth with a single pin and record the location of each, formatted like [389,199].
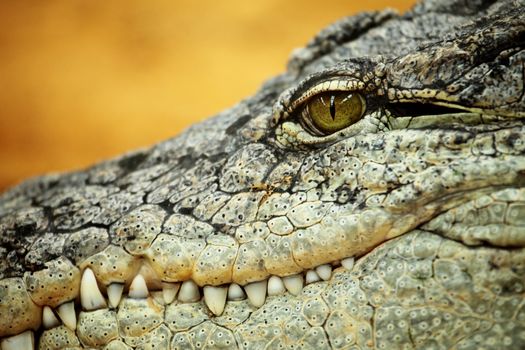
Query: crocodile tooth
[115,294]
[22,341]
[138,288]
[275,286]
[311,277]
[90,296]
[256,292]
[67,314]
[235,292]
[348,263]
[169,291]
[49,320]
[324,271]
[189,292]
[215,298]
[294,283]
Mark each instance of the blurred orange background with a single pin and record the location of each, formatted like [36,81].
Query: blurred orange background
[81,81]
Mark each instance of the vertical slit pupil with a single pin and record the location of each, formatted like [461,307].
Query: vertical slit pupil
[332,107]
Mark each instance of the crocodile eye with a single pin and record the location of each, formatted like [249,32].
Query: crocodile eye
[332,111]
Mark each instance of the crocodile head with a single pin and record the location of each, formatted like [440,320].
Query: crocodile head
[372,197]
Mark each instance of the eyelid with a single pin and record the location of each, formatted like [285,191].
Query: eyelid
[339,84]
[290,102]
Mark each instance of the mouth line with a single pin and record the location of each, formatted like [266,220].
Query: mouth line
[93,296]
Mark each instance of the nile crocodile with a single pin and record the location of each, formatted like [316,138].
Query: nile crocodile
[372,196]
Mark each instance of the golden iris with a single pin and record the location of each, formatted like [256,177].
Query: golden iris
[332,111]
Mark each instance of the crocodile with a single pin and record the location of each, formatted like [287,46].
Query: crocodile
[371,196]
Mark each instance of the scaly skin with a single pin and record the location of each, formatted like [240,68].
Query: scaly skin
[426,191]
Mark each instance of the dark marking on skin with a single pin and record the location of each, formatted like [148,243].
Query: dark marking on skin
[461,7]
[185,211]
[187,161]
[459,139]
[361,205]
[236,125]
[25,229]
[216,158]
[166,205]
[511,140]
[132,162]
[66,201]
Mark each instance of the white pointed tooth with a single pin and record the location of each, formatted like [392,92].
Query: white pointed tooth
[311,277]
[256,292]
[275,286]
[49,320]
[324,271]
[90,296]
[348,263]
[22,341]
[215,298]
[294,283]
[138,288]
[115,294]
[67,314]
[189,292]
[169,291]
[235,292]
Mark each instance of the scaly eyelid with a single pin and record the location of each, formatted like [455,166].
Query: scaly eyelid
[292,99]
[339,84]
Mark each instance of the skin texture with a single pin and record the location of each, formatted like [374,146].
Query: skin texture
[425,191]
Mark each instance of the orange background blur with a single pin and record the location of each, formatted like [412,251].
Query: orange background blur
[84,80]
